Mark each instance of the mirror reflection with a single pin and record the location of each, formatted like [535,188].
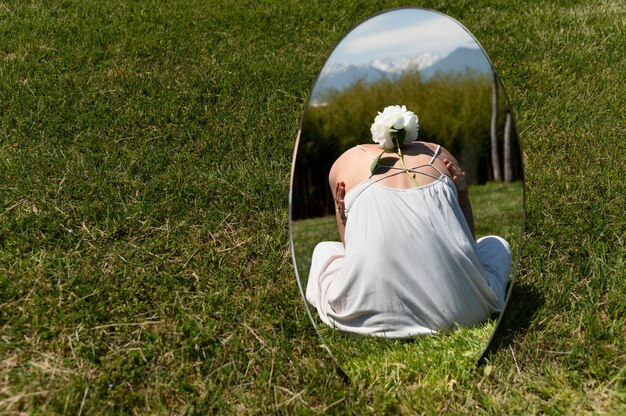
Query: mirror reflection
[407,196]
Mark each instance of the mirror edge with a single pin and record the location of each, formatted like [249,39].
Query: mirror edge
[491,346]
[338,368]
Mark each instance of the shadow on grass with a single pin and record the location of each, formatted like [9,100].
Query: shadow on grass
[522,307]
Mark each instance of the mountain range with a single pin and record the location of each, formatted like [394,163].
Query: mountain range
[341,76]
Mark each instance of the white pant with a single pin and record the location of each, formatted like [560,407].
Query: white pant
[325,253]
[495,256]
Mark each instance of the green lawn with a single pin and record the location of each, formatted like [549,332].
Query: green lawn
[145,150]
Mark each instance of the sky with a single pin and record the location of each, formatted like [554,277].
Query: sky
[401,33]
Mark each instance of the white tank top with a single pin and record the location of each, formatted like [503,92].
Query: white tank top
[410,265]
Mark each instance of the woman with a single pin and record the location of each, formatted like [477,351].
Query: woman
[408,263]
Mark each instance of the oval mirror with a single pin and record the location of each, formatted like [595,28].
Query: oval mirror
[422,305]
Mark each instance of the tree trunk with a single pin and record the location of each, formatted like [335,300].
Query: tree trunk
[508,160]
[495,160]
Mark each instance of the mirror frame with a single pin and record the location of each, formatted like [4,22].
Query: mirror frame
[490,346]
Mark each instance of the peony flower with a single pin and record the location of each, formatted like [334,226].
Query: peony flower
[395,123]
[393,127]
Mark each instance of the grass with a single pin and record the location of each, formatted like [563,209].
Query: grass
[144,168]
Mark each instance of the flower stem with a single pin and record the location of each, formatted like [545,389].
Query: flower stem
[404,166]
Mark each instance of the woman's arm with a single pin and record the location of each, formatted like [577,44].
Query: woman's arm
[340,208]
[348,170]
[458,176]
[336,178]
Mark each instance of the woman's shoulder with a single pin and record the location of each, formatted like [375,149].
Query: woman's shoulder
[353,163]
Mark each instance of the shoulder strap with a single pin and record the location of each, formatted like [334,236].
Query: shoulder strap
[437,151]
[430,163]
[366,151]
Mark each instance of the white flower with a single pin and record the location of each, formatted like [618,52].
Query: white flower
[390,122]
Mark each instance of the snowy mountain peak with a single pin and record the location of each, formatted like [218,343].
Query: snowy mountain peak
[396,66]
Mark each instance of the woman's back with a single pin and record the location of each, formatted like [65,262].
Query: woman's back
[354,165]
[423,161]
[410,264]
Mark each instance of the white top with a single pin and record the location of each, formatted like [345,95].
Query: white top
[410,267]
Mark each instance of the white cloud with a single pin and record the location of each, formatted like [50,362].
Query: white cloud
[394,34]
